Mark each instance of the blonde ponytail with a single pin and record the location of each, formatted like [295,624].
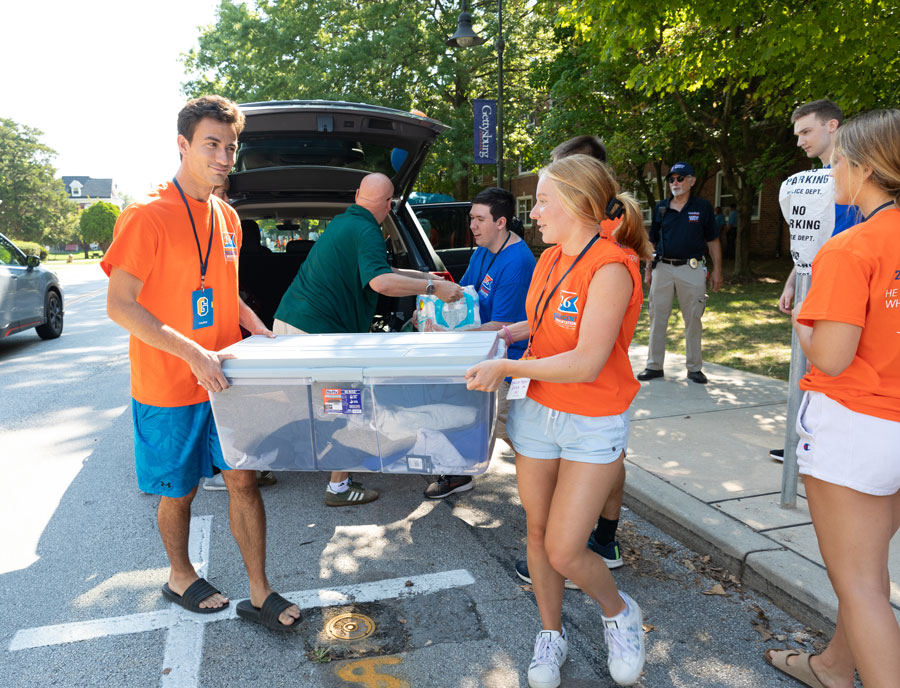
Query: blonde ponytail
[631,232]
[587,188]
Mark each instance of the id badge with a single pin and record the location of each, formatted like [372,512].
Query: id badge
[202,308]
[518,386]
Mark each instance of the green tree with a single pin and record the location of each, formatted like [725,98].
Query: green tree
[97,222]
[34,205]
[641,133]
[391,53]
[736,70]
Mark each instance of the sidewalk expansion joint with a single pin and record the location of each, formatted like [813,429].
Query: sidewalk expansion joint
[713,502]
[763,531]
[780,548]
[700,413]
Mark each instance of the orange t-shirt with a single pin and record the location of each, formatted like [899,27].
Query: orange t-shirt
[856,280]
[154,242]
[613,390]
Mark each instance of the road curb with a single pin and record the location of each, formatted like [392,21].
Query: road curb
[798,586]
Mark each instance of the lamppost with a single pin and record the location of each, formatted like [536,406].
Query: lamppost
[465,37]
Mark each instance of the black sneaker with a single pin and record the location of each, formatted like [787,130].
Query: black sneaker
[447,485]
[649,374]
[611,553]
[697,376]
[522,572]
[777,455]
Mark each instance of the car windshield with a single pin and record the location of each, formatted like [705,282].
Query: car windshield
[315,151]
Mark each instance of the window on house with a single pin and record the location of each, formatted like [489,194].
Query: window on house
[76,189]
[643,201]
[725,197]
[524,204]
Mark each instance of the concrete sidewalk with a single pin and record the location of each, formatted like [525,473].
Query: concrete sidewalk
[699,468]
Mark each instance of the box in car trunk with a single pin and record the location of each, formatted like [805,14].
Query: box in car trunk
[392,403]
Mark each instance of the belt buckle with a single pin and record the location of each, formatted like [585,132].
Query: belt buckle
[693,262]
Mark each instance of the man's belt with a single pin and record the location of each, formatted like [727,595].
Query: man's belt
[693,262]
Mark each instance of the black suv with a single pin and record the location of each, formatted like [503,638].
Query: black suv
[447,226]
[299,164]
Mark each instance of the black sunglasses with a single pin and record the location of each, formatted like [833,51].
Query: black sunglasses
[676,178]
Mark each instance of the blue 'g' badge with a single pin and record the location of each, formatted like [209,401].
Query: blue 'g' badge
[202,308]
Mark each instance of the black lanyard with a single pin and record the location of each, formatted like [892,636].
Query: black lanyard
[879,209]
[503,245]
[204,263]
[537,322]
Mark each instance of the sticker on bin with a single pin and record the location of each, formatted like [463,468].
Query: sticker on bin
[419,464]
[338,401]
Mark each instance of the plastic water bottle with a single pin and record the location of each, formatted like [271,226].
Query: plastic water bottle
[454,313]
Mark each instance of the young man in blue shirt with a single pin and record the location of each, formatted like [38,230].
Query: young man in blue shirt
[815,125]
[500,269]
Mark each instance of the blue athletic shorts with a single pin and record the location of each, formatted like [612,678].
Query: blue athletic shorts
[174,447]
[540,432]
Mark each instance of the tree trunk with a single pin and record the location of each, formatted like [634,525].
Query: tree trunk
[461,188]
[87,248]
[746,195]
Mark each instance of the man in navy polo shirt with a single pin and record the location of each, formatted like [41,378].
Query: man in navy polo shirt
[683,228]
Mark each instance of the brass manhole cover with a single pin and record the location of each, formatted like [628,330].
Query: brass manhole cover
[350,627]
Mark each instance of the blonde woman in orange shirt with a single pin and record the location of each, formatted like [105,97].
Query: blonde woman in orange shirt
[570,428]
[849,420]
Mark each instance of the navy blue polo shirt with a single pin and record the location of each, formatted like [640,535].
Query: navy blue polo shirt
[683,234]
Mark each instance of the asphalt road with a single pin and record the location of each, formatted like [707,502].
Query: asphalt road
[81,563]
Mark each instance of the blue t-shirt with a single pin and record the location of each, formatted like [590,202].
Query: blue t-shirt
[845,216]
[502,285]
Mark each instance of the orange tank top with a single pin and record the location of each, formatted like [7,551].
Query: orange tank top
[615,387]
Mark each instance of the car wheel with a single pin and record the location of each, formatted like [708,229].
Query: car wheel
[54,313]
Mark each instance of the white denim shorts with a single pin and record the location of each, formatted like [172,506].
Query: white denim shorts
[847,448]
[544,433]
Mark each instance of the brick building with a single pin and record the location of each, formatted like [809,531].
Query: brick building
[768,235]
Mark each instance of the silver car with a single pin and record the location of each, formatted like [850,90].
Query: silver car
[30,295]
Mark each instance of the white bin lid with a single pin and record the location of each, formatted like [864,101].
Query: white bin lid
[347,357]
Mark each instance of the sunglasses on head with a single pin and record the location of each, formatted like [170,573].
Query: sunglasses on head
[676,178]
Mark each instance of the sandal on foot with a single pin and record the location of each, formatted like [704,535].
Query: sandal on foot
[196,593]
[800,670]
[268,614]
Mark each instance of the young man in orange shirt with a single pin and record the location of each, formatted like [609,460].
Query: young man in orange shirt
[173,285]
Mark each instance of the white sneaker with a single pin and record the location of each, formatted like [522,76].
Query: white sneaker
[550,651]
[624,635]
[217,482]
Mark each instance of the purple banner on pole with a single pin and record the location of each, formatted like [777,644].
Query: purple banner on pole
[485,131]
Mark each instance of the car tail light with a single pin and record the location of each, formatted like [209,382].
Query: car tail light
[446,275]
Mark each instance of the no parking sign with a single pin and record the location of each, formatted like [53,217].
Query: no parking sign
[807,203]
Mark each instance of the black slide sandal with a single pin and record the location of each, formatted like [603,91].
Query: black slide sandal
[268,614]
[196,592]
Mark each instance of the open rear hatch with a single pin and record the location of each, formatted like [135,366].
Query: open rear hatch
[322,149]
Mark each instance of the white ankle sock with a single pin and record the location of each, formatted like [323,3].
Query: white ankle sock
[342,486]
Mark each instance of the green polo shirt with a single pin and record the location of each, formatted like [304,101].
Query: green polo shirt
[331,291]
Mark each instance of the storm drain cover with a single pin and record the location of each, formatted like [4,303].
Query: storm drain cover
[350,626]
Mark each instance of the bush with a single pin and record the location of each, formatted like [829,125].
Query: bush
[30,248]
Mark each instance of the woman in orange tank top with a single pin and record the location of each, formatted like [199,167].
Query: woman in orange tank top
[570,426]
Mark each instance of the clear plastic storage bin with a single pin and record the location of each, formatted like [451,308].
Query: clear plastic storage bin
[392,403]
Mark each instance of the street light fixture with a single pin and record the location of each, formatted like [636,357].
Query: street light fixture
[466,37]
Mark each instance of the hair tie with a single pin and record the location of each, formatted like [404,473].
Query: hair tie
[615,209]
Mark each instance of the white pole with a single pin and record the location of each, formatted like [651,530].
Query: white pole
[795,395]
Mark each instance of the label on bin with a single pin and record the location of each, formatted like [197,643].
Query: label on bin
[416,463]
[338,401]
